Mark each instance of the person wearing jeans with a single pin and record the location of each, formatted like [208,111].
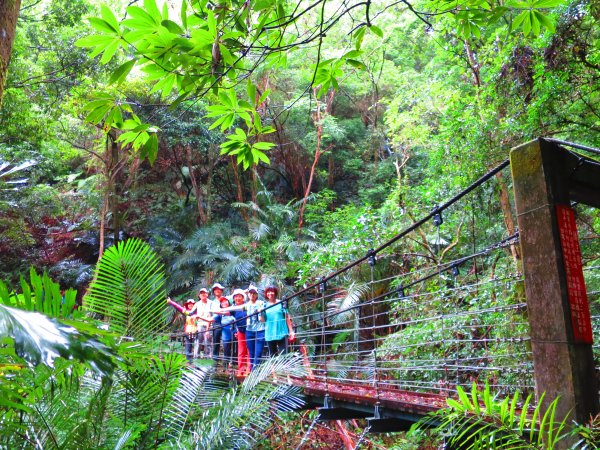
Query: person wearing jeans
[255,330]
[255,325]
[217,291]
[228,329]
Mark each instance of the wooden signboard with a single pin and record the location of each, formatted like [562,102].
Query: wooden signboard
[578,301]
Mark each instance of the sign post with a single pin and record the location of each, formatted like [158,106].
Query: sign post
[546,179]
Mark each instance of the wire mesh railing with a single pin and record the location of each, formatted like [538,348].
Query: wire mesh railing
[425,326]
[440,305]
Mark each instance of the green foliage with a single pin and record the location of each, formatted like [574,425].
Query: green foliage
[479,421]
[151,400]
[42,295]
[108,113]
[239,417]
[588,434]
[39,340]
[471,17]
[215,250]
[128,290]
[203,53]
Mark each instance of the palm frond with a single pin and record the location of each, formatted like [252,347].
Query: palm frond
[234,268]
[128,290]
[251,206]
[258,229]
[6,172]
[290,364]
[239,418]
[40,340]
[185,278]
[187,258]
[42,295]
[184,401]
[341,310]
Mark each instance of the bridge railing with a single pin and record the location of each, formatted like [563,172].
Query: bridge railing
[449,315]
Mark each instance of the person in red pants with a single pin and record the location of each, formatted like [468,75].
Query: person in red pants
[239,299]
[238,311]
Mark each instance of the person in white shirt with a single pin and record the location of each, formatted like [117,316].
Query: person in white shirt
[204,311]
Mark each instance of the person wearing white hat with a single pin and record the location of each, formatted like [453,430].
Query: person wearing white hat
[239,299]
[204,310]
[255,326]
[190,327]
[255,331]
[238,314]
[217,291]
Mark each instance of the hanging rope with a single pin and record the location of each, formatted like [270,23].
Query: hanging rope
[372,260]
[322,289]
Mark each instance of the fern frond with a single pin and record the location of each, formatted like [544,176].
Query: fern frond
[128,290]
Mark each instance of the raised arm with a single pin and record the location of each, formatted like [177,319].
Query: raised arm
[177,306]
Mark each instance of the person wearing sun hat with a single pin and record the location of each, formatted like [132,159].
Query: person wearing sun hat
[255,326]
[190,327]
[243,357]
[255,330]
[204,310]
[217,290]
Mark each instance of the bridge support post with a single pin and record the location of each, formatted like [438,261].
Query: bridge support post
[546,179]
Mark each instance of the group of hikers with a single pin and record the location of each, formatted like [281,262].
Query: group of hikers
[250,323]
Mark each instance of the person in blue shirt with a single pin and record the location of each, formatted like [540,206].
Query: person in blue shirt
[228,328]
[254,327]
[217,292]
[255,331]
[278,323]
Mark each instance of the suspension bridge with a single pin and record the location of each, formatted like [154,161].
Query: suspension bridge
[488,303]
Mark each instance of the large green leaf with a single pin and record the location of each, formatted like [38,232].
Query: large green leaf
[40,340]
[128,291]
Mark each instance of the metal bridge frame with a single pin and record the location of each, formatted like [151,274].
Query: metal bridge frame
[547,179]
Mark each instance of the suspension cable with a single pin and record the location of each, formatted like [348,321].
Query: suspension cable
[411,228]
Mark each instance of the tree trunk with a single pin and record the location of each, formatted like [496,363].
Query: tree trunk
[344,435]
[9,12]
[113,185]
[240,192]
[254,188]
[197,189]
[507,213]
[473,64]
[102,223]
[318,152]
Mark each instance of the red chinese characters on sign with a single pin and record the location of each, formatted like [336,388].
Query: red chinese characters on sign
[578,301]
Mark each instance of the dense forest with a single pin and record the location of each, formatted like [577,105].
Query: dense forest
[267,142]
